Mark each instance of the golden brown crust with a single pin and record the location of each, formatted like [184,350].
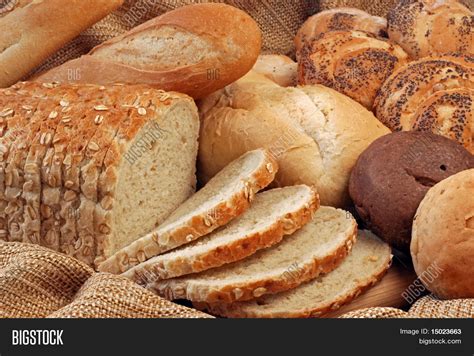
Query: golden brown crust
[29,41]
[431,94]
[233,34]
[162,240]
[352,62]
[339,19]
[432,27]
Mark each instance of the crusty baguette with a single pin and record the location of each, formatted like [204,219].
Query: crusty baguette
[70,163]
[195,49]
[274,214]
[315,133]
[367,263]
[318,247]
[225,197]
[30,34]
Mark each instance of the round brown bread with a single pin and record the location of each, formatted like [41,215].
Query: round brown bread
[354,63]
[393,175]
[432,94]
[432,27]
[341,18]
[442,243]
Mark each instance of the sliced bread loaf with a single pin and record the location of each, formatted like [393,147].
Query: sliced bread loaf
[223,198]
[366,264]
[318,247]
[273,214]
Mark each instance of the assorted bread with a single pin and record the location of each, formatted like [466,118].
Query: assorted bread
[354,63]
[80,162]
[225,197]
[442,246]
[195,49]
[432,27]
[315,133]
[394,173]
[25,40]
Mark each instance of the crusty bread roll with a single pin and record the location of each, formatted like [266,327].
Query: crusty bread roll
[281,69]
[431,94]
[31,33]
[432,27]
[442,245]
[314,132]
[341,18]
[195,49]
[352,62]
[86,170]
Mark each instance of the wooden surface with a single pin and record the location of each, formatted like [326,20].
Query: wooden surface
[386,293]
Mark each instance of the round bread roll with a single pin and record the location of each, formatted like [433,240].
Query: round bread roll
[341,18]
[352,62]
[278,68]
[393,175]
[314,132]
[432,94]
[442,245]
[432,27]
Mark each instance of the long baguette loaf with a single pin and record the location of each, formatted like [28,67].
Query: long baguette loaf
[195,49]
[30,34]
[86,170]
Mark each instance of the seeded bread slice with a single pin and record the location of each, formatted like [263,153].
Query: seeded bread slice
[366,264]
[318,247]
[223,198]
[273,214]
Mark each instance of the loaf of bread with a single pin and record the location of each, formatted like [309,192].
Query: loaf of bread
[315,133]
[195,49]
[442,246]
[86,170]
[281,69]
[431,94]
[392,176]
[341,18]
[30,34]
[352,62]
[432,27]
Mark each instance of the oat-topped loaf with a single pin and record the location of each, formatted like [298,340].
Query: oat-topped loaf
[432,27]
[431,94]
[354,63]
[86,170]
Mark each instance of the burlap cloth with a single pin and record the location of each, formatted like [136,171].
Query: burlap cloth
[36,282]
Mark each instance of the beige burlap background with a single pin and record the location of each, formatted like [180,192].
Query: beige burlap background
[36,282]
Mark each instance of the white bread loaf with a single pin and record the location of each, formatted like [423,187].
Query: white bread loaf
[32,32]
[87,170]
[280,69]
[223,198]
[315,133]
[194,49]
[273,214]
[367,263]
[318,247]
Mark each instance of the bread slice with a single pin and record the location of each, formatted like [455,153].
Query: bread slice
[318,247]
[274,213]
[225,197]
[366,264]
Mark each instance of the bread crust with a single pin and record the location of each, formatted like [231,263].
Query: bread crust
[29,41]
[432,27]
[341,18]
[433,94]
[219,23]
[354,63]
[172,235]
[278,68]
[230,292]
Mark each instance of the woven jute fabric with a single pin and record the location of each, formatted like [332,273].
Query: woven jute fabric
[36,282]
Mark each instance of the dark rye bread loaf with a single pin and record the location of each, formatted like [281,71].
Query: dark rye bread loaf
[393,175]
